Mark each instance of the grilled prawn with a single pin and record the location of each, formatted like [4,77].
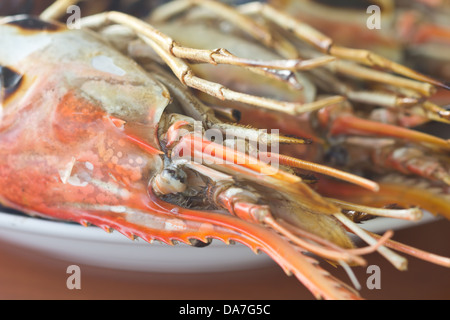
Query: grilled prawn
[88,134]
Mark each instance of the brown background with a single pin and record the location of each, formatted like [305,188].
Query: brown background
[29,275]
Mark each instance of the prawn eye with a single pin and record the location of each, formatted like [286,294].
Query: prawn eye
[9,80]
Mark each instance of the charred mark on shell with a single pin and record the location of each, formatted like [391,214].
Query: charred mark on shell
[357,216]
[31,23]
[348,4]
[337,156]
[10,81]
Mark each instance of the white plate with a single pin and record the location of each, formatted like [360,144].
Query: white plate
[93,246]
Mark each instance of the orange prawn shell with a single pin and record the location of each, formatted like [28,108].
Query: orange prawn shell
[57,133]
